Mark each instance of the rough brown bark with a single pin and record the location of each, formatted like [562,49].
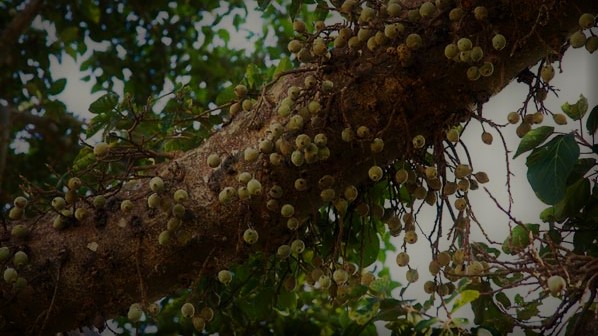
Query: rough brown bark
[69,283]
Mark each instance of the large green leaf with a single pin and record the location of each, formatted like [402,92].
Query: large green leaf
[550,165]
[533,139]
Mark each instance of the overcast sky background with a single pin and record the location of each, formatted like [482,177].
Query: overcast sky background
[579,77]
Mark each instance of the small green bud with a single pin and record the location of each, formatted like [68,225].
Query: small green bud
[375,173]
[187,310]
[101,149]
[178,210]
[99,201]
[10,275]
[4,253]
[213,160]
[499,42]
[15,213]
[19,231]
[464,44]
[414,41]
[180,195]
[250,154]
[419,141]
[254,187]
[74,183]
[287,210]
[225,276]
[164,237]
[135,312]
[227,194]
[126,205]
[250,236]
[153,201]
[20,202]
[156,184]
[240,91]
[20,259]
[58,203]
[297,246]
[480,13]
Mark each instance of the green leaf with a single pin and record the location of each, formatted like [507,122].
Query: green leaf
[286,301]
[503,299]
[57,87]
[464,298]
[550,165]
[533,139]
[390,310]
[252,75]
[529,311]
[91,10]
[477,246]
[294,8]
[364,246]
[225,95]
[104,104]
[321,12]
[262,4]
[583,241]
[284,65]
[69,34]
[424,325]
[224,35]
[592,122]
[576,197]
[83,161]
[549,215]
[97,123]
[487,313]
[577,110]
[581,168]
